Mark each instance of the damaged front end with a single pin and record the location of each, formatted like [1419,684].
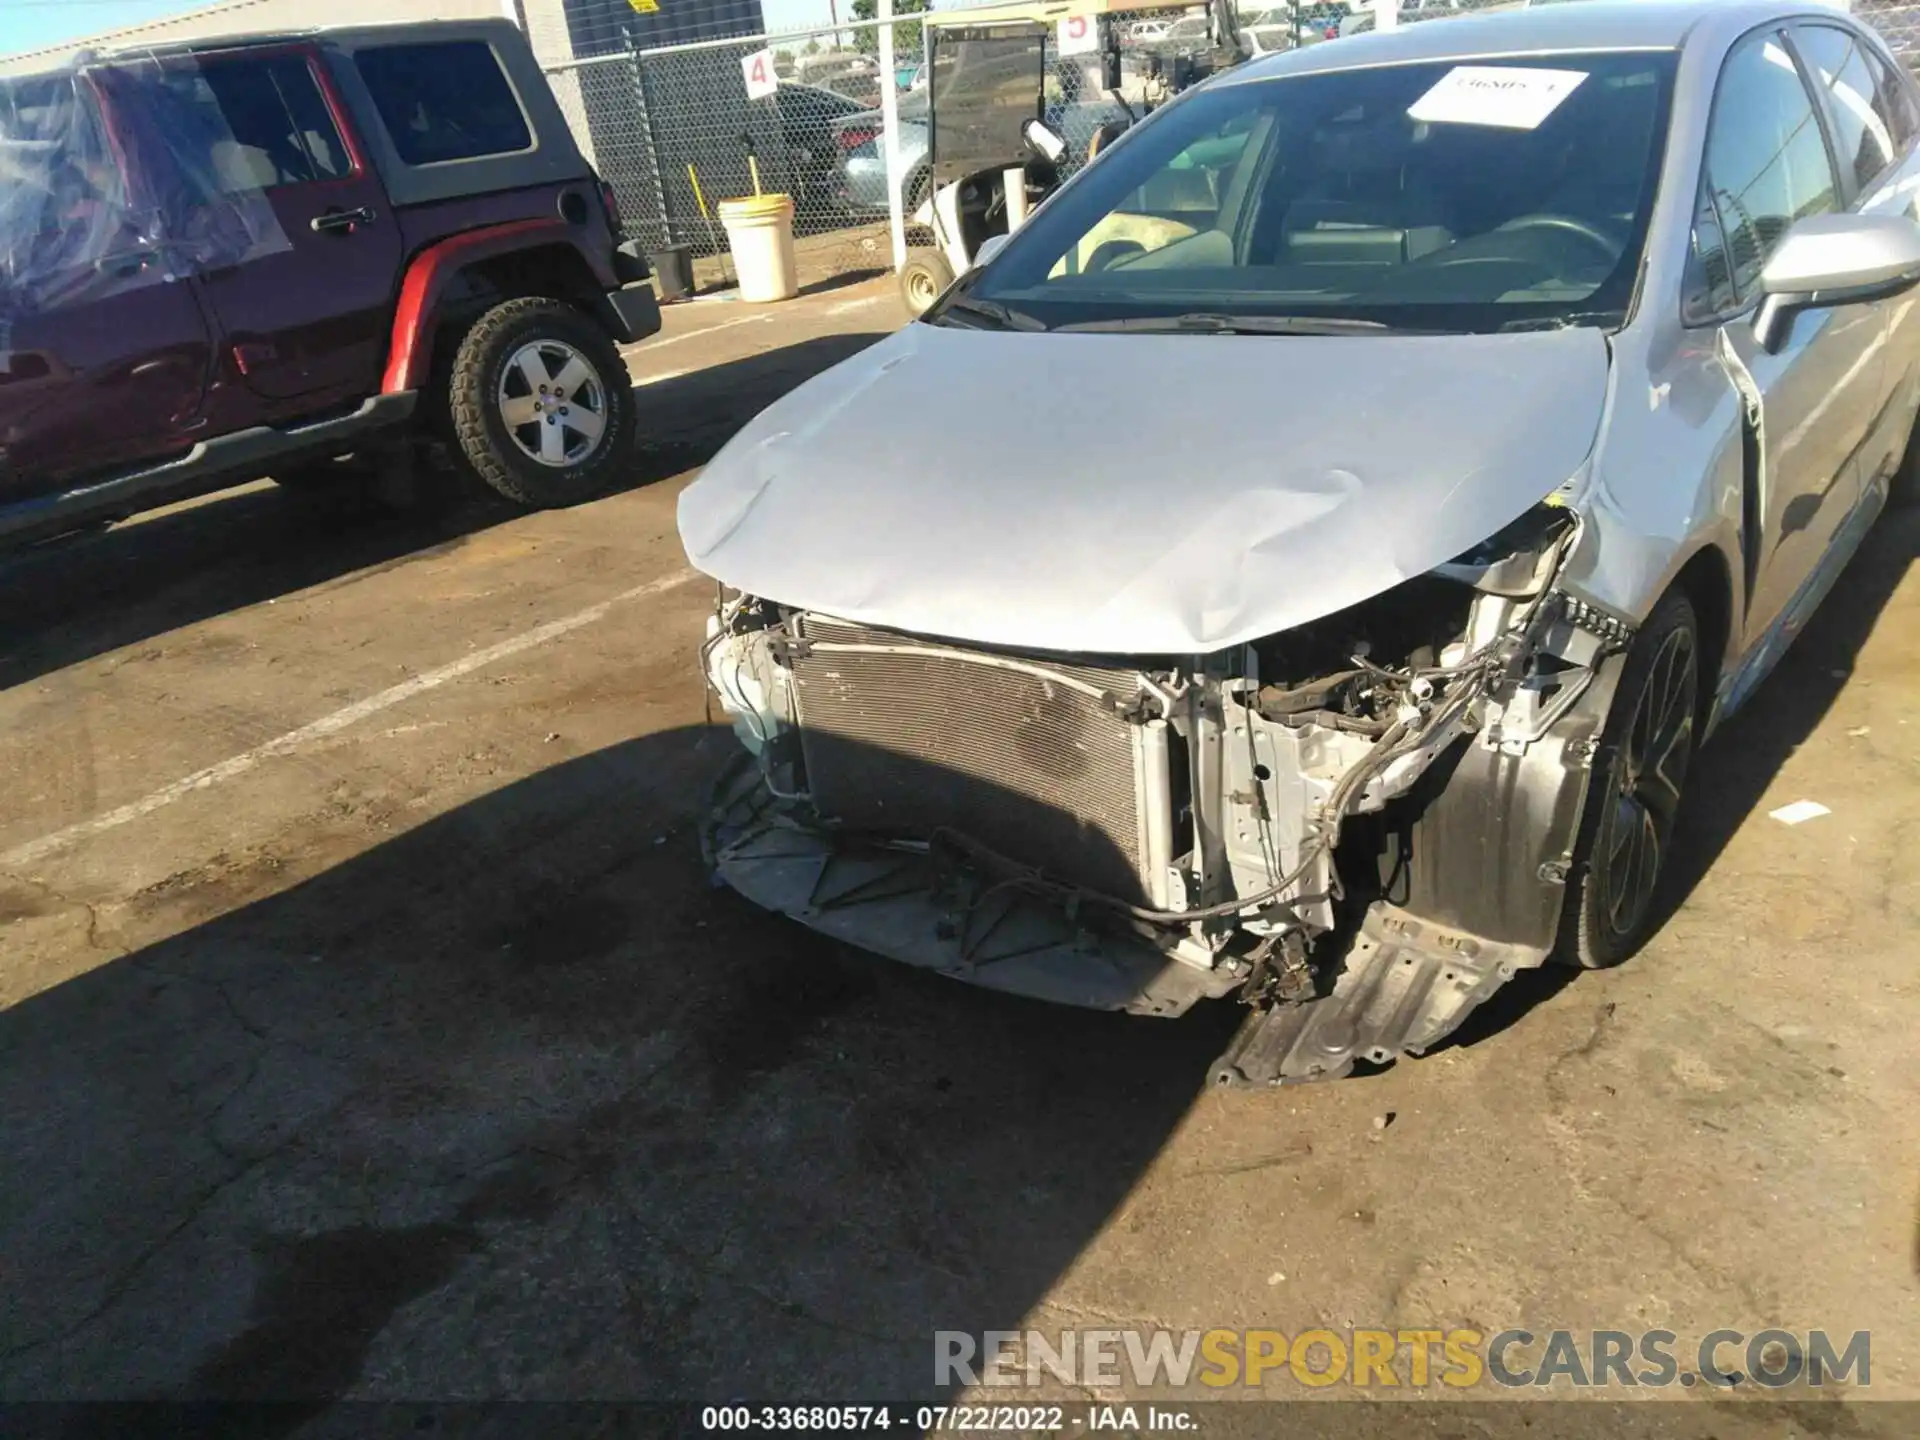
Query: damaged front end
[1361,826]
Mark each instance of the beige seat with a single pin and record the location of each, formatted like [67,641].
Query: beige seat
[240,168]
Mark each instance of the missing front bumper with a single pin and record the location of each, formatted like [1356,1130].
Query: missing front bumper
[909,904]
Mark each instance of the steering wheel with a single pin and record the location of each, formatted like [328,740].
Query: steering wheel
[1569,225]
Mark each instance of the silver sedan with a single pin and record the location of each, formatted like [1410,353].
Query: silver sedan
[1303,561]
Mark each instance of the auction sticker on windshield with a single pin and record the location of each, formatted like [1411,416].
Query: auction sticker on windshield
[1508,96]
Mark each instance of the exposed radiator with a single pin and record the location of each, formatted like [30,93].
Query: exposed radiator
[1028,764]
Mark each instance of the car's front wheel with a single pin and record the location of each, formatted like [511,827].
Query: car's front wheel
[1633,796]
[541,406]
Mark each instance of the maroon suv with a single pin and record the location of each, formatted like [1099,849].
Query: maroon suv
[259,256]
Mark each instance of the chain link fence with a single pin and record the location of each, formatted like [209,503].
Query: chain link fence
[677,127]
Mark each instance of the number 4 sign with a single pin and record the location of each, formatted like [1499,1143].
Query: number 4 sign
[1079,35]
[761,80]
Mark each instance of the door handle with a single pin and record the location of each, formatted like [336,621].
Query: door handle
[343,220]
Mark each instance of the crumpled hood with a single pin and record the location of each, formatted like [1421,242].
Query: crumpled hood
[1137,494]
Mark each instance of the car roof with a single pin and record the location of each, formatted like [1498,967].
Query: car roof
[1588,25]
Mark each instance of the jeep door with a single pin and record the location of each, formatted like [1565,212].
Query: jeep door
[306,320]
[103,356]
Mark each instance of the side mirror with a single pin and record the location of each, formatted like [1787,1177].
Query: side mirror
[988,248]
[1045,142]
[1828,260]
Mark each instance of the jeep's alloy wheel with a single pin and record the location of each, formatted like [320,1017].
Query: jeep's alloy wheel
[553,403]
[539,403]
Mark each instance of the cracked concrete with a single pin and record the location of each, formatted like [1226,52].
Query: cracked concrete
[426,1064]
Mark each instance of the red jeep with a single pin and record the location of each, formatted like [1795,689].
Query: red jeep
[259,256]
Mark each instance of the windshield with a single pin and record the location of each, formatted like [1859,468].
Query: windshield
[1438,196]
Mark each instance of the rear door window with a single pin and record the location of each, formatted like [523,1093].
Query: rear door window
[274,127]
[1857,99]
[444,101]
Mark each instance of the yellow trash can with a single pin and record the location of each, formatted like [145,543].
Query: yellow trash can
[760,232]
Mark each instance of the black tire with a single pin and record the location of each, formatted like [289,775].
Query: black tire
[547,336]
[1903,489]
[923,279]
[1634,791]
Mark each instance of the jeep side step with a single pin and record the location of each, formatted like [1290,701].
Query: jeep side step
[211,465]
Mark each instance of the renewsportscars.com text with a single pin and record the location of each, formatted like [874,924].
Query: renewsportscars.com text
[1401,1358]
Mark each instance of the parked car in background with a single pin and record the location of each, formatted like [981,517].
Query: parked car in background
[808,117]
[232,259]
[859,185]
[1180,681]
[1322,21]
[1361,22]
[1268,32]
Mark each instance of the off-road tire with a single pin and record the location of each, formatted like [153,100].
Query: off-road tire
[923,279]
[480,432]
[1651,731]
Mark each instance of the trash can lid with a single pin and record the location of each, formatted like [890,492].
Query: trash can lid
[756,207]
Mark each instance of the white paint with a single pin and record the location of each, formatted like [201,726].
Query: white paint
[1510,97]
[37,850]
[848,305]
[762,80]
[1799,812]
[1078,35]
[641,381]
[646,347]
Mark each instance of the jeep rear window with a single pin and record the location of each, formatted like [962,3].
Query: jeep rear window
[445,101]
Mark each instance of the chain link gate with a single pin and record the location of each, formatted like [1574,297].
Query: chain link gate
[676,129]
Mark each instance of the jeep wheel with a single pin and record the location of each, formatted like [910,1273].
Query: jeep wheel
[540,402]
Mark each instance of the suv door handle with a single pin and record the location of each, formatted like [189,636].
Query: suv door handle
[343,219]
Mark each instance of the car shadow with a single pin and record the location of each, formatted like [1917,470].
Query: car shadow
[519,1102]
[72,600]
[1732,772]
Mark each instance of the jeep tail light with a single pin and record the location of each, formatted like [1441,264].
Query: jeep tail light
[855,136]
[612,204]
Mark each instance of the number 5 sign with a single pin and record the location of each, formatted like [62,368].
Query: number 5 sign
[761,80]
[1079,35]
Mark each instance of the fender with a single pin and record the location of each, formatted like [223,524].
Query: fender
[433,269]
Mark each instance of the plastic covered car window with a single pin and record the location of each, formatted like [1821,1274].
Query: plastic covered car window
[109,180]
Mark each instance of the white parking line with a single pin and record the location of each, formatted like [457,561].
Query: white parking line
[326,725]
[645,347]
[865,300]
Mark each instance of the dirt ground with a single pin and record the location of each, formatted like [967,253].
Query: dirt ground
[369,1026]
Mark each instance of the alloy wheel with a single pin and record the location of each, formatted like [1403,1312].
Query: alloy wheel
[553,403]
[1649,773]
